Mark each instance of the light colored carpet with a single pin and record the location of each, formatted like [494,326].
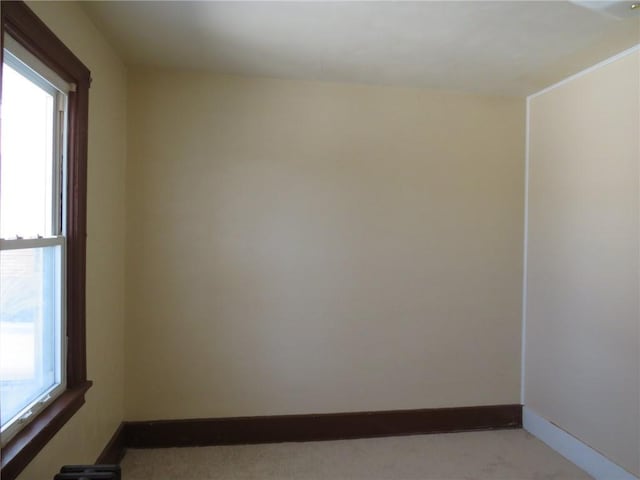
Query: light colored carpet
[503,454]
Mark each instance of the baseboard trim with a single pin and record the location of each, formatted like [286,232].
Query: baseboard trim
[114,450]
[331,426]
[581,454]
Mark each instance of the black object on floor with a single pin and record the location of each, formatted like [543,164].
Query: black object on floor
[89,472]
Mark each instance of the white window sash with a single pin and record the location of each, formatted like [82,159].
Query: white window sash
[30,411]
[23,243]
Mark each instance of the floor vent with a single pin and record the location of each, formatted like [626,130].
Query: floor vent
[89,472]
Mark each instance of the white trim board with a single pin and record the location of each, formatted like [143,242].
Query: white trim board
[585,457]
[525,257]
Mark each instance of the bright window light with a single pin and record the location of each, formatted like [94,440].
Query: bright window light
[27,157]
[30,312]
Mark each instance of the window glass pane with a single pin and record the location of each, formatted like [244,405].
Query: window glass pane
[30,312]
[26,171]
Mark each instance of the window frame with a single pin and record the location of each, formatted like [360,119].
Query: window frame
[40,76]
[18,21]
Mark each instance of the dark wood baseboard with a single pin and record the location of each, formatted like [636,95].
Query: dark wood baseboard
[116,448]
[332,426]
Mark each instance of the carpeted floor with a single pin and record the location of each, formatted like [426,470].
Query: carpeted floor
[504,454]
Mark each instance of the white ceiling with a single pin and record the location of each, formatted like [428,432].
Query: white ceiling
[497,47]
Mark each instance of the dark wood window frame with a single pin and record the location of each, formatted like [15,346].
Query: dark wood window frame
[26,28]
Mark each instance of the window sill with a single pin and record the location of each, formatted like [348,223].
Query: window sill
[26,444]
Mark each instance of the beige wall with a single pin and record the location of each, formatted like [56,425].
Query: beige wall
[583,343]
[298,247]
[302,247]
[86,434]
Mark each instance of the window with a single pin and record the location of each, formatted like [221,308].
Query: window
[43,144]
[32,242]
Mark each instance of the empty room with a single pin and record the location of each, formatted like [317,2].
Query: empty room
[313,240]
